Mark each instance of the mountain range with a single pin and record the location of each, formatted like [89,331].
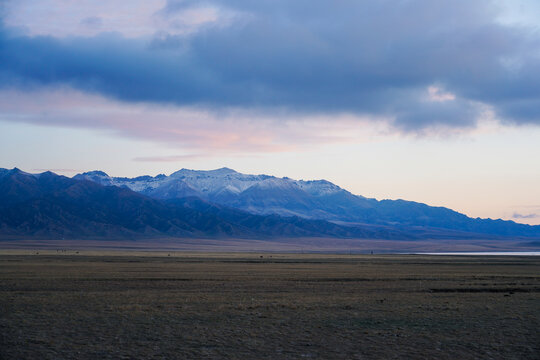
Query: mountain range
[315,199]
[220,203]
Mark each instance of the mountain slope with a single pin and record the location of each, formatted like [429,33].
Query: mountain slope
[320,199]
[259,194]
[50,206]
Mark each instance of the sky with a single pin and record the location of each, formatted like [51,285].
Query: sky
[424,100]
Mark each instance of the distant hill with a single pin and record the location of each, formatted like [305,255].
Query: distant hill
[317,199]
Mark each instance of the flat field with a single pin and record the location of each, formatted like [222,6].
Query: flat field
[114,305]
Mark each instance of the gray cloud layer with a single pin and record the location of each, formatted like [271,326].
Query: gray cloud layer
[376,58]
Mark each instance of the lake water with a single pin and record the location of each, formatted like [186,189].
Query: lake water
[492,253]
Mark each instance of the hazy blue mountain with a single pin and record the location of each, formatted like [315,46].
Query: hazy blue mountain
[319,199]
[51,206]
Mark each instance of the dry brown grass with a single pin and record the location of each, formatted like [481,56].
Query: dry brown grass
[189,305]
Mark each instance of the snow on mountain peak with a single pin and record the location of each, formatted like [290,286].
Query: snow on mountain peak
[211,182]
[204,173]
[275,183]
[318,187]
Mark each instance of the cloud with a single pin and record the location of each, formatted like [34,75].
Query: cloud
[86,18]
[171,158]
[200,132]
[185,157]
[417,64]
[437,94]
[57,170]
[92,22]
[525,216]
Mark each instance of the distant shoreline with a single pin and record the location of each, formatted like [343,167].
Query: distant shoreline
[284,245]
[487,253]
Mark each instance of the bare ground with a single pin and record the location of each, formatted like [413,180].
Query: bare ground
[122,305]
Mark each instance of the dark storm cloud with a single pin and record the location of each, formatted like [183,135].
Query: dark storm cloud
[370,58]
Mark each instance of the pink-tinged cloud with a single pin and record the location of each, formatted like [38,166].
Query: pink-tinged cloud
[184,157]
[171,158]
[439,95]
[133,19]
[198,131]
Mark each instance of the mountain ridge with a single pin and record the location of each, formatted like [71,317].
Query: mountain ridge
[51,206]
[311,199]
[221,204]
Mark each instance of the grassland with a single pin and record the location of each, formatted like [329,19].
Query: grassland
[114,305]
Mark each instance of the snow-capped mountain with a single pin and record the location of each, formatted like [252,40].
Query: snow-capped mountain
[316,199]
[213,182]
[218,203]
[260,194]
[50,206]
